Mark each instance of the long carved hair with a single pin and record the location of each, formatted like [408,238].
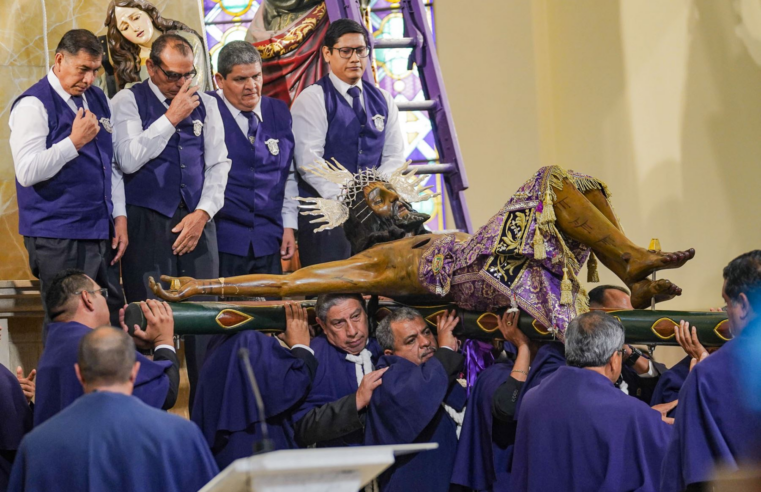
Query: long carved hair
[126,55]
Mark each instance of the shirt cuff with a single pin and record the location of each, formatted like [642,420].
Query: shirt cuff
[68,151]
[163,127]
[208,207]
[650,371]
[119,211]
[304,347]
[290,223]
[448,348]
[168,347]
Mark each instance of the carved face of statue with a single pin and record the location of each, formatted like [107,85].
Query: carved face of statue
[413,340]
[76,72]
[385,202]
[346,326]
[172,61]
[135,25]
[349,69]
[242,86]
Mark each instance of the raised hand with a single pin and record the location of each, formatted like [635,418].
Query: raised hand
[28,386]
[159,329]
[84,128]
[367,386]
[445,325]
[689,341]
[508,326]
[183,103]
[296,325]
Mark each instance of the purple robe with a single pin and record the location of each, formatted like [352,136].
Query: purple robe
[57,383]
[713,426]
[335,378]
[225,408]
[107,442]
[548,359]
[407,408]
[578,432]
[670,382]
[485,447]
[15,421]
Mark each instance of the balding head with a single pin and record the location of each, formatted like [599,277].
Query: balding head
[106,358]
[610,297]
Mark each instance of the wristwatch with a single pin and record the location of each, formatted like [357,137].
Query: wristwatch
[635,355]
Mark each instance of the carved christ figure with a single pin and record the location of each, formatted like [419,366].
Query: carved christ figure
[531,251]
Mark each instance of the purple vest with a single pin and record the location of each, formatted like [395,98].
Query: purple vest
[355,145]
[252,213]
[76,202]
[178,171]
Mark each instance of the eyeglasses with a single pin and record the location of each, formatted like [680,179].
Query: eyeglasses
[174,76]
[361,51]
[622,351]
[103,292]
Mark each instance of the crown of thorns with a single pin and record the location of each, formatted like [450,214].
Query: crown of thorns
[335,212]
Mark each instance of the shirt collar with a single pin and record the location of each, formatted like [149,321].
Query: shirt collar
[157,92]
[235,111]
[342,86]
[56,85]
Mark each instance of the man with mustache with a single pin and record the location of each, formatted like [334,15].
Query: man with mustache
[419,401]
[255,227]
[70,193]
[341,118]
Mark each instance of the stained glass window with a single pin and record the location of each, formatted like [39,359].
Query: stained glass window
[228,20]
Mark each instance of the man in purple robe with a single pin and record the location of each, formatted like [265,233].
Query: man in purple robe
[577,431]
[108,439]
[419,401]
[77,305]
[225,408]
[715,427]
[341,118]
[255,227]
[16,394]
[335,409]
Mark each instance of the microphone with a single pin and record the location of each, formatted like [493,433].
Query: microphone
[265,445]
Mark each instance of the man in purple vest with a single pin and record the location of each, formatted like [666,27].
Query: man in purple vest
[255,227]
[170,143]
[341,118]
[70,194]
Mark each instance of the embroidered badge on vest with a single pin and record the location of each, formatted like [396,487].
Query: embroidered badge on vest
[197,127]
[379,123]
[252,139]
[272,146]
[107,125]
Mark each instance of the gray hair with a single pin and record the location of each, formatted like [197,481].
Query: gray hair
[592,338]
[236,53]
[106,356]
[385,335]
[327,301]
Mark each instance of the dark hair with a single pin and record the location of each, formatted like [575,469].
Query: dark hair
[236,53]
[78,40]
[327,301]
[126,55]
[170,39]
[597,295]
[106,356]
[62,287]
[743,276]
[338,28]
[385,335]
[592,338]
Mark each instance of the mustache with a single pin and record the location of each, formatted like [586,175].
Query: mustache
[413,218]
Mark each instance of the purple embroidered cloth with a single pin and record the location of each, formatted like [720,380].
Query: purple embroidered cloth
[482,272]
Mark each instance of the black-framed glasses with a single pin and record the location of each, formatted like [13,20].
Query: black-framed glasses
[361,51]
[103,292]
[622,351]
[174,76]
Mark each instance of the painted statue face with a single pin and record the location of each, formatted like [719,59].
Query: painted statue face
[135,25]
[172,61]
[76,72]
[350,69]
[242,86]
[385,202]
[413,340]
[346,326]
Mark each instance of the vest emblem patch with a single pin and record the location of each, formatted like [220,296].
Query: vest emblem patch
[197,127]
[379,122]
[272,146]
[107,125]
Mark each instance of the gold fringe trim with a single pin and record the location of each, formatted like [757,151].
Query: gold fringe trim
[582,302]
[566,289]
[592,273]
[540,252]
[548,209]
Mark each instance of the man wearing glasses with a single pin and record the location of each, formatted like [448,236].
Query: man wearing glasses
[170,143]
[77,305]
[344,119]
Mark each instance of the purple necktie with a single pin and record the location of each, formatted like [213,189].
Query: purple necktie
[78,101]
[356,104]
[253,125]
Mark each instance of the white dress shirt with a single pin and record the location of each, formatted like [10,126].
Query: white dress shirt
[290,212]
[134,147]
[33,161]
[310,127]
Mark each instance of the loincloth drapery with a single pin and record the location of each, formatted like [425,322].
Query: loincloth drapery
[498,262]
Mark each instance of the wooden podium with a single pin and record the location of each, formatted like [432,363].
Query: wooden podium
[311,470]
